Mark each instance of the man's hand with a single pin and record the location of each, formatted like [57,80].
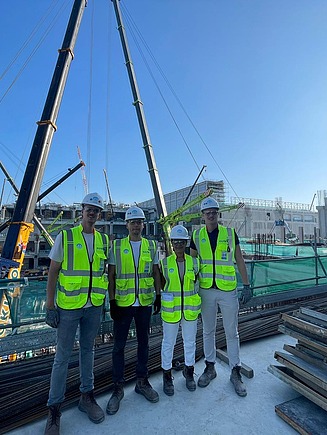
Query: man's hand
[157,304]
[246,294]
[114,310]
[52,317]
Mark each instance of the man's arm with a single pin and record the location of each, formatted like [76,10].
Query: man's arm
[241,265]
[157,279]
[52,282]
[193,252]
[112,281]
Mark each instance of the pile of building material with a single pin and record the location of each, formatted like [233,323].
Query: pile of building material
[304,368]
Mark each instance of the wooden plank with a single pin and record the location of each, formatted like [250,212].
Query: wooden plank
[314,387]
[314,374]
[304,416]
[312,320]
[294,350]
[309,351]
[319,346]
[285,375]
[313,313]
[245,370]
[306,327]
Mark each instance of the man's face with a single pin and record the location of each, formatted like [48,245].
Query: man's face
[135,227]
[210,216]
[91,214]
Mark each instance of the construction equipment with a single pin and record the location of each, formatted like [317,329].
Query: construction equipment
[176,216]
[173,218]
[85,186]
[20,226]
[153,171]
[109,196]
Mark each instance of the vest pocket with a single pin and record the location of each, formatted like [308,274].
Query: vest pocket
[149,282]
[228,270]
[73,283]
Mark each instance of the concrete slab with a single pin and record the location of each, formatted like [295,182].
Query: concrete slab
[213,410]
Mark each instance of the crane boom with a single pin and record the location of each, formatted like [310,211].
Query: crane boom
[108,190]
[86,189]
[29,191]
[153,171]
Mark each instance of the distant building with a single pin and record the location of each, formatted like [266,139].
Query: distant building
[257,216]
[322,212]
[276,218]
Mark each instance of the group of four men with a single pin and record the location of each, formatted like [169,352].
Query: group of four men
[180,285]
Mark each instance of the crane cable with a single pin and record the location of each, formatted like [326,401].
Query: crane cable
[34,50]
[89,121]
[132,24]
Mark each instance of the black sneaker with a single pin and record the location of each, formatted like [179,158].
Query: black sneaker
[236,380]
[168,386]
[116,397]
[53,422]
[208,375]
[143,387]
[188,372]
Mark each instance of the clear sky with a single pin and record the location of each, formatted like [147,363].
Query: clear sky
[251,75]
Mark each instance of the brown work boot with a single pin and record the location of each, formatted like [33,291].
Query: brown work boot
[208,374]
[168,386]
[188,372]
[143,387]
[116,397]
[236,380]
[53,422]
[88,404]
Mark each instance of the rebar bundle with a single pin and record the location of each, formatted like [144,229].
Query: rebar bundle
[24,385]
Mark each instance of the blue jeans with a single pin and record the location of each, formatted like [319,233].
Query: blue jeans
[142,317]
[88,320]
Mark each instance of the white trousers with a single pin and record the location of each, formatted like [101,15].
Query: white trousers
[228,303]
[170,330]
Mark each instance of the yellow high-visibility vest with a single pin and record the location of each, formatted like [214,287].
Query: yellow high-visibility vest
[79,278]
[127,272]
[179,300]
[222,258]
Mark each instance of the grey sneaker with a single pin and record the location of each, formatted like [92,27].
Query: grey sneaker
[88,404]
[168,386]
[208,375]
[188,372]
[116,397]
[53,422]
[143,387]
[236,380]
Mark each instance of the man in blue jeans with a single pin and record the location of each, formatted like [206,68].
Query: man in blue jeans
[78,262]
[134,278]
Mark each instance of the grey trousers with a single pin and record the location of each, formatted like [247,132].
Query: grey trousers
[228,303]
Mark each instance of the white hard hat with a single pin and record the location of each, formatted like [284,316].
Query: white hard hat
[134,213]
[93,199]
[209,203]
[179,232]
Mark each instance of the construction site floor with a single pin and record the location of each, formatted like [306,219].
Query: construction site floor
[212,410]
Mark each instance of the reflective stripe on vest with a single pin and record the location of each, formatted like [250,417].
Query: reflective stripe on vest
[179,300]
[75,279]
[223,258]
[127,272]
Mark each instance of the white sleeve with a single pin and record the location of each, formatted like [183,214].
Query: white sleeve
[111,260]
[156,258]
[57,251]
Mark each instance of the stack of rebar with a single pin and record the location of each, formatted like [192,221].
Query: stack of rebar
[24,385]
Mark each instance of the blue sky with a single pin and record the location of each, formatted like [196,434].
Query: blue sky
[251,76]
